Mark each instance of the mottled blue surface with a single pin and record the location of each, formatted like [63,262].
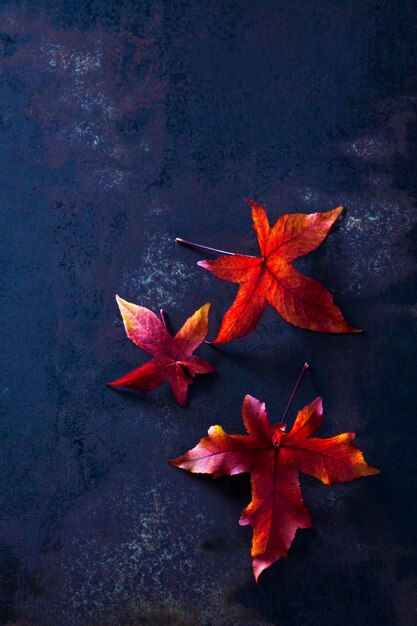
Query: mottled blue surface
[126,124]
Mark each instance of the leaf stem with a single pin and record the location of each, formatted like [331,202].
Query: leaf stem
[294,391]
[162,314]
[198,245]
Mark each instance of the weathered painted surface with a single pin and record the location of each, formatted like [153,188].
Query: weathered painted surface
[123,125]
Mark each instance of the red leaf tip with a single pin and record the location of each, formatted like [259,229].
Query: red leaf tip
[319,404]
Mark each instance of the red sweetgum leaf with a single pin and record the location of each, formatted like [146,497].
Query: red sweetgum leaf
[173,359]
[272,279]
[274,459]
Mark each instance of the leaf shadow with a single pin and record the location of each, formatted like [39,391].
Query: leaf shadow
[236,488]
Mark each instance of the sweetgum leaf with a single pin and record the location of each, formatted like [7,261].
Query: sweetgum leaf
[173,358]
[274,458]
[272,279]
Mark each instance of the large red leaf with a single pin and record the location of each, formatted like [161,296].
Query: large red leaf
[271,278]
[173,358]
[274,458]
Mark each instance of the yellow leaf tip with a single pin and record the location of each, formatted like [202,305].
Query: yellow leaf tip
[120,301]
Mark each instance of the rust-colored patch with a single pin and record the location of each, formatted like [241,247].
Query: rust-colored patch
[96,97]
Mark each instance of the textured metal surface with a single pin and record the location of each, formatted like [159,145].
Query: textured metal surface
[123,125]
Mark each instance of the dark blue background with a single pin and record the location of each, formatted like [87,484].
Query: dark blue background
[124,125]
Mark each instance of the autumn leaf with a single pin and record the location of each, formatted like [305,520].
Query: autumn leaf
[272,279]
[173,358]
[274,459]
